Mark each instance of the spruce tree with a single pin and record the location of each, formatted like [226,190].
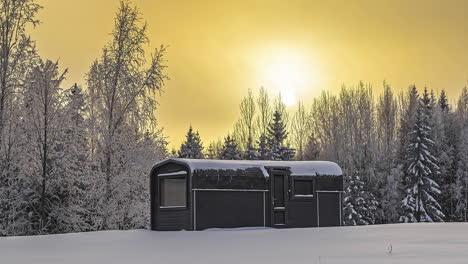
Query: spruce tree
[230,149]
[264,152]
[72,161]
[420,190]
[460,187]
[251,152]
[360,206]
[444,151]
[192,147]
[275,138]
[443,102]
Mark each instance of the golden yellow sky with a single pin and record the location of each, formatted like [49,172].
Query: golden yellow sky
[220,49]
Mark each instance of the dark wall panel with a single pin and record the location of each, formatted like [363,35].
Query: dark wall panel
[329,209]
[225,209]
[302,213]
[173,220]
[329,183]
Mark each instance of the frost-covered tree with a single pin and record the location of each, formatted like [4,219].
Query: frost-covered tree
[312,148]
[42,123]
[214,149]
[124,87]
[276,136]
[244,127]
[192,147]
[77,185]
[360,206]
[263,149]
[459,189]
[17,58]
[409,105]
[388,175]
[230,150]
[325,125]
[420,190]
[264,111]
[251,152]
[300,131]
[15,48]
[445,139]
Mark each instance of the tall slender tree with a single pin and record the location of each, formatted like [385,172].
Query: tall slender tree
[15,47]
[300,129]
[244,127]
[277,134]
[43,103]
[420,201]
[124,91]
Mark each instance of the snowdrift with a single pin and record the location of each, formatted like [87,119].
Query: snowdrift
[398,243]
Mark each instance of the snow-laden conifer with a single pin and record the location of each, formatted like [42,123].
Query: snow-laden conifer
[276,136]
[420,190]
[192,147]
[230,150]
[360,205]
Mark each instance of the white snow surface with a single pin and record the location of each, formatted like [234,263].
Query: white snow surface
[298,168]
[410,243]
[172,173]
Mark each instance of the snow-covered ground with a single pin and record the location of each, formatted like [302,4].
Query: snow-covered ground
[411,243]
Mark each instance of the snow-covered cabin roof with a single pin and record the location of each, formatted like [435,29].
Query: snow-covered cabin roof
[297,168]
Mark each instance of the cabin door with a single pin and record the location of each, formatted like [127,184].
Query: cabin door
[279,197]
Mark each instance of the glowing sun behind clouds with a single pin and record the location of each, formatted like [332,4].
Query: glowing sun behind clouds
[287,72]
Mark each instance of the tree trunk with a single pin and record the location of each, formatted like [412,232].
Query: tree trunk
[44,159]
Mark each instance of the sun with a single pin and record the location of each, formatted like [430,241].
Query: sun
[288,73]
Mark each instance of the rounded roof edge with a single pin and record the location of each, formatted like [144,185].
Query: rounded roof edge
[298,168]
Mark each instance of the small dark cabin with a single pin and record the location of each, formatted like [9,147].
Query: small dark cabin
[191,194]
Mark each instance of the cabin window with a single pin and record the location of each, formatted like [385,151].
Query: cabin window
[173,192]
[303,188]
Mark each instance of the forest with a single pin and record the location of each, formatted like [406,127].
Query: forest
[404,155]
[78,158]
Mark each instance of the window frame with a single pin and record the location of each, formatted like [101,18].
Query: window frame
[295,196]
[174,207]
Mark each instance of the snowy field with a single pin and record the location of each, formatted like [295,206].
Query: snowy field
[411,243]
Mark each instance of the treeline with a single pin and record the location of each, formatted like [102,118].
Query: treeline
[76,159]
[404,156]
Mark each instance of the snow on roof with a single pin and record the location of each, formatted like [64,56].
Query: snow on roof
[298,168]
[172,173]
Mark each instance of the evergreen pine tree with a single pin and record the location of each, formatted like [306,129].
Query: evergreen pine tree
[264,152]
[276,136]
[251,152]
[210,152]
[230,149]
[74,189]
[360,205]
[419,203]
[443,102]
[444,150]
[460,187]
[192,147]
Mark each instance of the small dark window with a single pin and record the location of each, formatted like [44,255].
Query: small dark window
[303,188]
[173,192]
